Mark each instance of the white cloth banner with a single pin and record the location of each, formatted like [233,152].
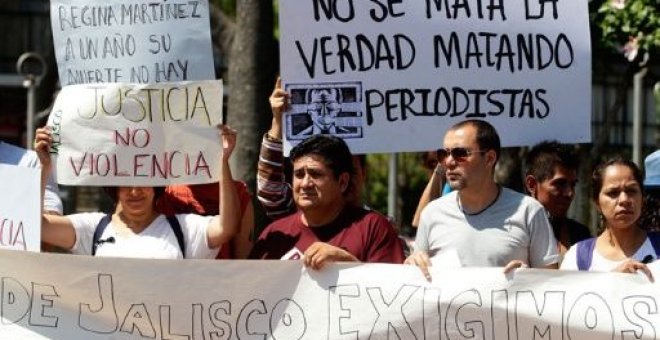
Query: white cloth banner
[390,76]
[133,41]
[131,134]
[20,218]
[77,297]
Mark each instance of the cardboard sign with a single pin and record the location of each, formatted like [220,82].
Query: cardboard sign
[114,41]
[131,134]
[393,75]
[20,215]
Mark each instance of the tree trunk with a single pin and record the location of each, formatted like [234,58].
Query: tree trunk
[252,66]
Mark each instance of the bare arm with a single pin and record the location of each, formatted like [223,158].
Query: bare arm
[431,192]
[222,229]
[242,243]
[55,230]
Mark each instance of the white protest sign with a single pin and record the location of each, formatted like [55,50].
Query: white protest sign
[131,41]
[393,75]
[131,134]
[206,299]
[20,208]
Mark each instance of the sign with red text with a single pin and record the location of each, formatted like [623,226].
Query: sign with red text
[133,41]
[118,298]
[20,208]
[133,134]
[394,75]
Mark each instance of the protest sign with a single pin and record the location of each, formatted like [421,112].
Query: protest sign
[133,41]
[393,75]
[20,208]
[132,134]
[206,299]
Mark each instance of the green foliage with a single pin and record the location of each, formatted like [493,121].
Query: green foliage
[628,25]
[227,6]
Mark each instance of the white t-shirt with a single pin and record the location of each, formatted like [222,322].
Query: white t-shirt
[157,241]
[602,264]
[515,227]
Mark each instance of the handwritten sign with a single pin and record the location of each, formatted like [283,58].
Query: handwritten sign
[204,299]
[131,134]
[133,41]
[20,218]
[393,75]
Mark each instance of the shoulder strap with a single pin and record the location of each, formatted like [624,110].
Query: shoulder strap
[585,252]
[654,237]
[176,228]
[103,223]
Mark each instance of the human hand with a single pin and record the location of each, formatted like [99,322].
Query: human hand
[228,137]
[420,259]
[632,266]
[514,264]
[42,142]
[319,253]
[279,103]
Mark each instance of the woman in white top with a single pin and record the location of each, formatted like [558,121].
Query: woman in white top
[623,245]
[136,229]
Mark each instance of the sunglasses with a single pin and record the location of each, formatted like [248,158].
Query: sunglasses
[459,154]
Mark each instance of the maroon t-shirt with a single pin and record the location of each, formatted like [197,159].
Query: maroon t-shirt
[368,235]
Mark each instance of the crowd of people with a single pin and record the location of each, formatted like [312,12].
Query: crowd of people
[464,217]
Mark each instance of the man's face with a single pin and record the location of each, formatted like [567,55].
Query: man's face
[315,187]
[469,171]
[556,193]
[323,108]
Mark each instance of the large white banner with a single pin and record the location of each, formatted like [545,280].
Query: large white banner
[393,75]
[133,41]
[20,214]
[78,297]
[132,134]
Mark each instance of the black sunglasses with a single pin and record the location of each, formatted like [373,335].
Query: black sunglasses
[459,154]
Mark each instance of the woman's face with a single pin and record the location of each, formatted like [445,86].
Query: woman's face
[136,200]
[620,198]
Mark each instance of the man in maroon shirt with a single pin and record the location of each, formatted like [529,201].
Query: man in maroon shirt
[325,228]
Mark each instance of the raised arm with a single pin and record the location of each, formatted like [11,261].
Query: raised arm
[222,229]
[273,192]
[432,191]
[55,230]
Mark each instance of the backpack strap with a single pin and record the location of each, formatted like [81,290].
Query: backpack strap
[103,223]
[585,252]
[654,237]
[176,228]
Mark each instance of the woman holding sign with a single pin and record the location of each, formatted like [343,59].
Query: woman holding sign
[136,229]
[624,245]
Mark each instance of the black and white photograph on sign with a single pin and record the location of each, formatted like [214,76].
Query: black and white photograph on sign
[327,108]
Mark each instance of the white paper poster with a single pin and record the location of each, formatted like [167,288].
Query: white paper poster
[134,41]
[80,297]
[132,134]
[20,215]
[390,76]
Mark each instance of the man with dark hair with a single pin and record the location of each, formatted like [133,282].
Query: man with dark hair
[550,178]
[326,228]
[481,224]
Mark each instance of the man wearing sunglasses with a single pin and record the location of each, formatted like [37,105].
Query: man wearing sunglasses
[481,224]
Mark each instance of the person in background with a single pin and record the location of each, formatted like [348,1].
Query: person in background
[550,178]
[136,229]
[14,155]
[623,245]
[651,211]
[480,223]
[203,199]
[326,227]
[434,187]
